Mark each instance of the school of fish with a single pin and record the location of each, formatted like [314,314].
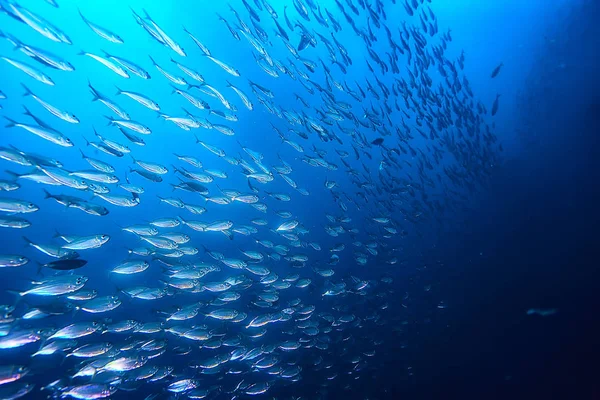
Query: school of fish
[394,152]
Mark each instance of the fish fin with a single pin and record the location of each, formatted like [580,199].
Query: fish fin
[94,92]
[87,143]
[47,194]
[16,293]
[81,15]
[96,97]
[28,242]
[228,234]
[27,91]
[146,15]
[119,91]
[11,122]
[39,268]
[13,175]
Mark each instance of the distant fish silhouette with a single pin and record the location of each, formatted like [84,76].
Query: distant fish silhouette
[496,70]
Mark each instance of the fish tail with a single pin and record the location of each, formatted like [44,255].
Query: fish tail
[27,91]
[47,195]
[110,121]
[81,15]
[56,233]
[39,268]
[13,174]
[11,122]
[152,59]
[146,15]
[28,242]
[119,91]
[94,92]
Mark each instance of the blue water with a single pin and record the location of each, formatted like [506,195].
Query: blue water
[443,313]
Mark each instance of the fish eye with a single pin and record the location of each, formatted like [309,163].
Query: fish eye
[31,205]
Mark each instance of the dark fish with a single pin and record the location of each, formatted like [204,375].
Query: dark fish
[304,42]
[377,141]
[65,264]
[496,70]
[495,105]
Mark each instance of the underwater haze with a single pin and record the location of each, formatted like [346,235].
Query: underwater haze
[298,199]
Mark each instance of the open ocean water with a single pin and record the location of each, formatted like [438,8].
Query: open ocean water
[299,199]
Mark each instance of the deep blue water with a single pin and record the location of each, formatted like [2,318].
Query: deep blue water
[466,264]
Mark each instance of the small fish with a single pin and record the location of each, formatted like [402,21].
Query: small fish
[17,206]
[65,265]
[103,33]
[117,69]
[12,260]
[496,70]
[87,242]
[227,68]
[143,100]
[495,105]
[29,70]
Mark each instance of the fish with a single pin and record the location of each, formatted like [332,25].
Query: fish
[87,242]
[7,260]
[39,24]
[57,286]
[496,70]
[31,71]
[17,206]
[226,68]
[495,105]
[102,32]
[255,244]
[108,103]
[116,68]
[143,100]
[65,265]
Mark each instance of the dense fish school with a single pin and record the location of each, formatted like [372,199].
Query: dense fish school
[246,242]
